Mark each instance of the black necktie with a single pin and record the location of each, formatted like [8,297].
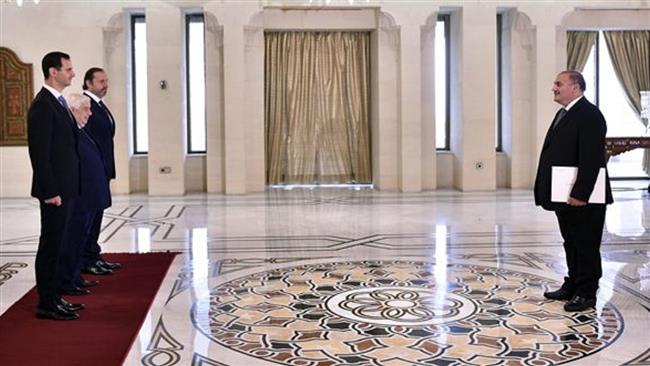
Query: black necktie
[560,114]
[110,116]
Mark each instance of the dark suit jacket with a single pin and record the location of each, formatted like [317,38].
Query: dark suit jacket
[579,141]
[101,126]
[95,193]
[52,138]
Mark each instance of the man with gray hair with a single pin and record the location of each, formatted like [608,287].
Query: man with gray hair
[576,138]
[94,197]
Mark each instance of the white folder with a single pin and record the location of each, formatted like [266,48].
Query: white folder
[563,178]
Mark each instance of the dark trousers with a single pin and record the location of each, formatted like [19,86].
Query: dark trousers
[54,220]
[75,237]
[92,251]
[582,231]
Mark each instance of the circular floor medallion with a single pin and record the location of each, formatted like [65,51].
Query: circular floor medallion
[409,312]
[408,306]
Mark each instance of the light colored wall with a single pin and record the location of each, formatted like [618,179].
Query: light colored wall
[16,172]
[474,81]
[445,171]
[195,173]
[403,157]
[31,31]
[165,63]
[518,76]
[139,174]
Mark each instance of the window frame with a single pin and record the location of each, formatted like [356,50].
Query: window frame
[445,18]
[135,18]
[189,18]
[499,96]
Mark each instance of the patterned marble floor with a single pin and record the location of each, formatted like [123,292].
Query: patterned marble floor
[359,277]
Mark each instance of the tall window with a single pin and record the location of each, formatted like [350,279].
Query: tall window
[604,90]
[441,62]
[499,84]
[139,87]
[195,61]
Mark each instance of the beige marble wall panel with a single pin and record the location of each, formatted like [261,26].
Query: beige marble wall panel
[384,119]
[139,174]
[254,108]
[115,64]
[214,104]
[31,31]
[166,113]
[16,172]
[517,113]
[445,171]
[427,107]
[195,173]
[323,19]
[476,42]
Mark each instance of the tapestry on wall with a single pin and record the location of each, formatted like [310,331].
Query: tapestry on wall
[16,94]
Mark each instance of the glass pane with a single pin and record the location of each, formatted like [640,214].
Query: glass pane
[196,80]
[141,121]
[498,84]
[440,62]
[622,120]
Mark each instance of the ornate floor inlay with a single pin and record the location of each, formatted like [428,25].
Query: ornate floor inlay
[347,277]
[8,270]
[408,306]
[400,312]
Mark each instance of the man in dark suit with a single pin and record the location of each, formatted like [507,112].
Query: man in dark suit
[93,199]
[101,126]
[52,139]
[576,138]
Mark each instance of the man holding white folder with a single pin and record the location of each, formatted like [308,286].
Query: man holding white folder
[572,181]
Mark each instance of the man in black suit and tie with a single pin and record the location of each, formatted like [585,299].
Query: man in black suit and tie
[93,199]
[52,139]
[576,138]
[101,126]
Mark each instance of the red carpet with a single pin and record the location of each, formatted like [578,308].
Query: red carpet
[107,327]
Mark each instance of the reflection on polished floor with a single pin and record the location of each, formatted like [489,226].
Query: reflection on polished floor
[359,277]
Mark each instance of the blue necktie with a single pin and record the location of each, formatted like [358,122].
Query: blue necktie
[63,102]
[65,105]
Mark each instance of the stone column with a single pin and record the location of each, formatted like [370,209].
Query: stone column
[254,107]
[234,124]
[384,106]
[472,100]
[548,55]
[115,66]
[214,104]
[167,136]
[411,129]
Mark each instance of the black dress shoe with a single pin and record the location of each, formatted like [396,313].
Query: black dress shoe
[75,291]
[58,313]
[71,307]
[579,303]
[561,294]
[108,265]
[88,283]
[96,270]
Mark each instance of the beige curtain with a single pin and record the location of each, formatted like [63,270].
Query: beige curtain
[630,53]
[316,107]
[578,47]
